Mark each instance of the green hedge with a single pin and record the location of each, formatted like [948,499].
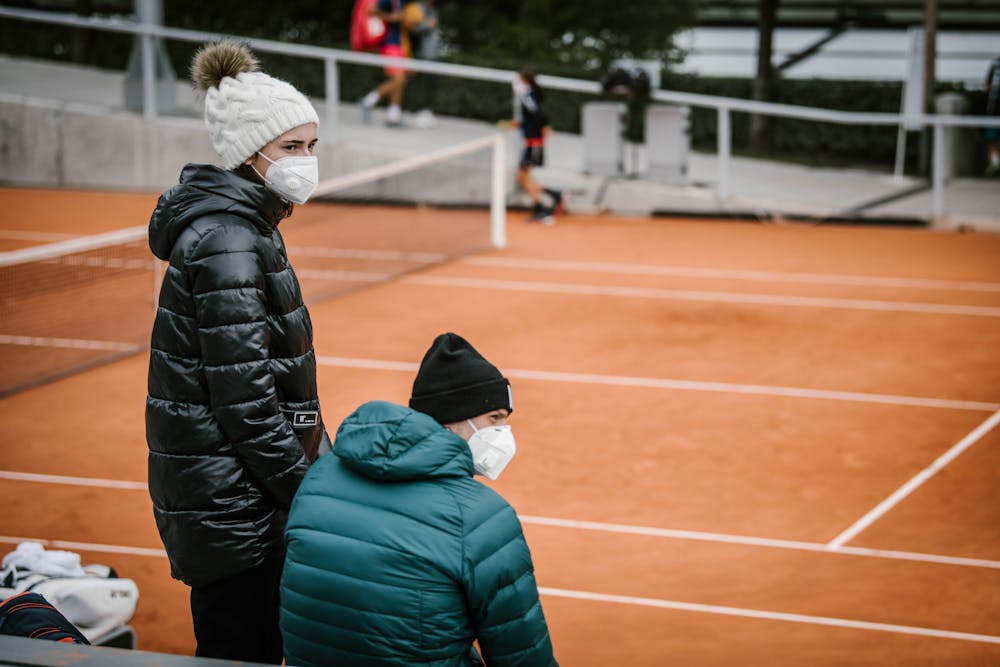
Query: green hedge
[804,140]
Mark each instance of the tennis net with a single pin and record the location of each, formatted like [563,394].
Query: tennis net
[71,305]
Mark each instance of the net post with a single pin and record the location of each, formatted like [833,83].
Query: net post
[498,213]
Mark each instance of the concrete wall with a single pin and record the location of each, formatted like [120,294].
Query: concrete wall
[45,143]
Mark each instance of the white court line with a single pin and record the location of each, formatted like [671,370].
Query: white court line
[15,235]
[71,343]
[687,385]
[600,597]
[73,481]
[902,492]
[603,527]
[86,546]
[769,615]
[374,255]
[372,364]
[760,276]
[103,262]
[344,276]
[695,295]
[771,543]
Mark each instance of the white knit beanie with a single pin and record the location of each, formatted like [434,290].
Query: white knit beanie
[245,109]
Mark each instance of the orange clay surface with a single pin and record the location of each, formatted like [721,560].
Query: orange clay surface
[662,372]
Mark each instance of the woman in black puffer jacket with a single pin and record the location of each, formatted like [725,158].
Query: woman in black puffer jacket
[232,415]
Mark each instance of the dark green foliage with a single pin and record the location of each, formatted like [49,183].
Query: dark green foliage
[587,34]
[810,142]
[90,47]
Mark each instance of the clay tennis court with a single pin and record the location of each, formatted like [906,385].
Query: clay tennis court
[739,443]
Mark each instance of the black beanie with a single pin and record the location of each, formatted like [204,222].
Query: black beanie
[455,382]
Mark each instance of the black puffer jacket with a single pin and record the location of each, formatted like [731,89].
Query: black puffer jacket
[231,369]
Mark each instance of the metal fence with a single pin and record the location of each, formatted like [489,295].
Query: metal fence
[148,33]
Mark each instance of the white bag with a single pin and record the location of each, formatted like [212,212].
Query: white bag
[95,601]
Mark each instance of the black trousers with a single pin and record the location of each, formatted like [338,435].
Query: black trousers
[236,618]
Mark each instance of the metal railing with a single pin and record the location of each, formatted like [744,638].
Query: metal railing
[724,106]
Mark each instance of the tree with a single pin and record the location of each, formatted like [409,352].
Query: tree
[574,37]
[584,35]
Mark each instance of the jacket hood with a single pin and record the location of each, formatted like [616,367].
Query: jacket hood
[205,189]
[388,442]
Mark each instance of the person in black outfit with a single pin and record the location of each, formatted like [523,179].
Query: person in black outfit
[232,413]
[534,124]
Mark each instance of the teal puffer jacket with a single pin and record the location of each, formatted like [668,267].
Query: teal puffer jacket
[397,556]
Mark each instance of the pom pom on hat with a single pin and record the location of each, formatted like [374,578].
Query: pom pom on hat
[245,109]
[455,382]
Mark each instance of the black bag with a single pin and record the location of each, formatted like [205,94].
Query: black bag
[30,615]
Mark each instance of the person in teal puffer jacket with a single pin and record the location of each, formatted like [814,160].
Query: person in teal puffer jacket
[396,555]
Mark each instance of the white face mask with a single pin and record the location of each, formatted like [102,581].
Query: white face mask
[293,177]
[492,449]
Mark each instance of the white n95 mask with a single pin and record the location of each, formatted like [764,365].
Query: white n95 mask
[294,177]
[492,449]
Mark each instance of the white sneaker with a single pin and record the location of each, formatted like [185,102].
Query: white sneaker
[394,116]
[366,104]
[425,119]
